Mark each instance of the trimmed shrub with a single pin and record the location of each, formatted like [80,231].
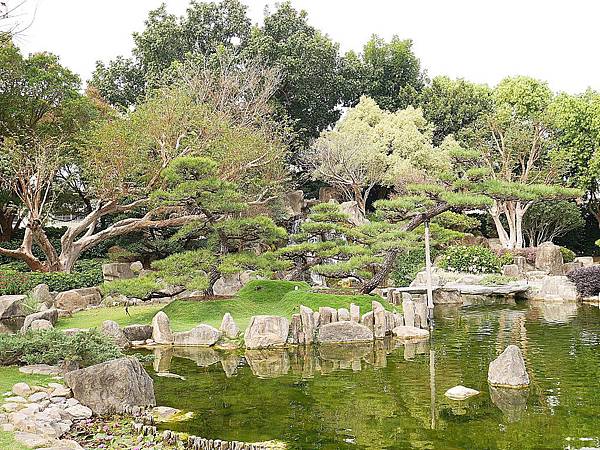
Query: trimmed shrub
[134,287]
[408,265]
[497,280]
[567,254]
[587,280]
[54,347]
[471,259]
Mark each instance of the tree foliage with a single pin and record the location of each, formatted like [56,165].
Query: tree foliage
[549,220]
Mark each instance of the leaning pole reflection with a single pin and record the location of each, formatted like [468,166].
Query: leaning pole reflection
[430,321]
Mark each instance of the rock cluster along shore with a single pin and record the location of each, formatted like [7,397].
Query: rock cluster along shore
[325,326]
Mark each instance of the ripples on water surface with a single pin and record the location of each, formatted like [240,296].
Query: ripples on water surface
[380,396]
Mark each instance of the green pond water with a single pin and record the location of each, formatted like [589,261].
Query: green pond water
[389,395]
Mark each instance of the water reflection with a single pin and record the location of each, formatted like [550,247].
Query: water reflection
[553,312]
[390,395]
[303,361]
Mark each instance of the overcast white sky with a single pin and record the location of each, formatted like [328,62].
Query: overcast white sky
[481,40]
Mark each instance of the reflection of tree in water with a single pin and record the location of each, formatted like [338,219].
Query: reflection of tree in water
[379,397]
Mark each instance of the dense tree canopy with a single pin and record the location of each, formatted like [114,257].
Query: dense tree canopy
[388,72]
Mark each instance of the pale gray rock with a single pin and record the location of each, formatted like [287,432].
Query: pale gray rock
[355,215]
[202,335]
[421,315]
[11,306]
[571,266]
[78,412]
[41,294]
[110,387]
[111,329]
[40,369]
[460,393]
[343,314]
[398,320]
[328,315]
[266,331]
[138,332]
[40,325]
[51,315]
[549,258]
[378,319]
[408,309]
[136,267]
[22,390]
[555,288]
[367,320]
[230,284]
[161,329]
[308,324]
[76,299]
[354,312]
[586,261]
[447,296]
[510,270]
[117,271]
[408,332]
[228,327]
[296,335]
[508,369]
[344,331]
[293,203]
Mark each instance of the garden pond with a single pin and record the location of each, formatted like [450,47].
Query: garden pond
[389,395]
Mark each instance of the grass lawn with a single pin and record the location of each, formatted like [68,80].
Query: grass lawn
[281,298]
[8,377]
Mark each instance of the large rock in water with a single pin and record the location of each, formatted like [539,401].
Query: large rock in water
[344,331]
[202,335]
[11,306]
[51,315]
[508,369]
[378,320]
[556,288]
[266,331]
[110,387]
[307,318]
[410,332]
[161,329]
[549,258]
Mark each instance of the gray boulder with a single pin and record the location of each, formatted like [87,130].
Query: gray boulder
[344,331]
[111,387]
[554,288]
[111,329]
[136,267]
[229,285]
[408,309]
[378,319]
[51,315]
[586,261]
[161,329]
[295,335]
[511,270]
[41,294]
[293,203]
[117,271]
[266,331]
[41,325]
[11,306]
[343,314]
[138,332]
[354,312]
[228,327]
[328,315]
[78,299]
[508,369]
[409,333]
[202,336]
[355,215]
[308,324]
[549,258]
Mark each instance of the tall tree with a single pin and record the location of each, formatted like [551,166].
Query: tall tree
[388,72]
[309,62]
[575,121]
[515,141]
[123,160]
[452,105]
[206,27]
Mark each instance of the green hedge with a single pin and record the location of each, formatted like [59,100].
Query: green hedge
[87,273]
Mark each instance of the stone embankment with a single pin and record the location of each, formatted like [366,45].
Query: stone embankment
[325,326]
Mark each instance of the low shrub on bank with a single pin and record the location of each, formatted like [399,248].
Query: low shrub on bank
[54,347]
[471,259]
[87,273]
[567,254]
[587,280]
[497,280]
[408,265]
